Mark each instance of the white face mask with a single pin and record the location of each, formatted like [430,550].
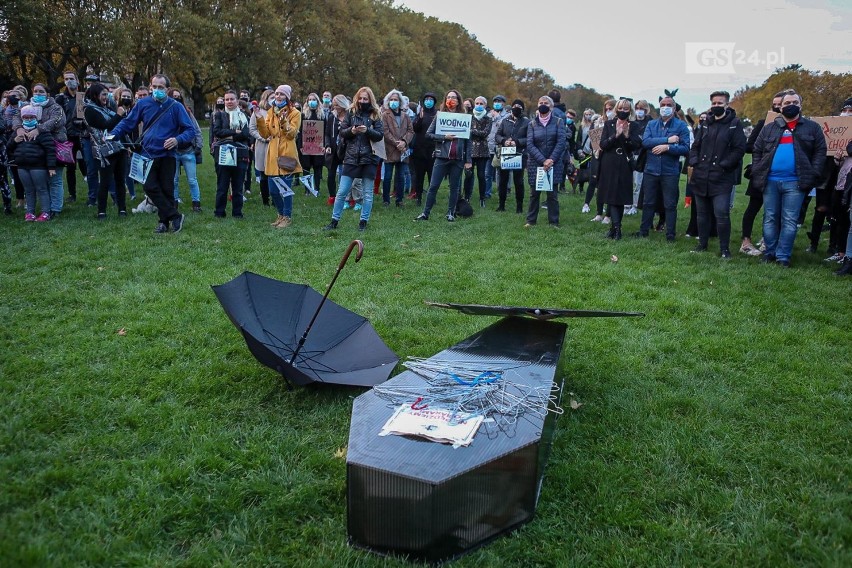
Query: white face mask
[610,114]
[640,114]
[846,113]
[666,112]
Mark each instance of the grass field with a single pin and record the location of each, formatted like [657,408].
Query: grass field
[713,432]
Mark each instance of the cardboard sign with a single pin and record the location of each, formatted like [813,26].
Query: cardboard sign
[379,149]
[595,139]
[837,130]
[455,123]
[508,150]
[81,105]
[312,135]
[515,162]
[543,179]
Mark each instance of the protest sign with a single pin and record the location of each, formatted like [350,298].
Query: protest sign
[455,123]
[312,136]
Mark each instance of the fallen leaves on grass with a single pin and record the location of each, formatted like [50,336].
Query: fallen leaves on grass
[575,405]
[614,258]
[122,332]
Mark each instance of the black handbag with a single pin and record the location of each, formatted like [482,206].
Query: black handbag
[102,149]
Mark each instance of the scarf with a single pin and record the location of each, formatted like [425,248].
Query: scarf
[544,119]
[237,119]
[479,114]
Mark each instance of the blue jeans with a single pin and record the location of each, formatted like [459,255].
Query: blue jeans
[655,187]
[397,181]
[284,205]
[343,195]
[57,191]
[443,168]
[187,160]
[490,175]
[782,201]
[36,183]
[92,169]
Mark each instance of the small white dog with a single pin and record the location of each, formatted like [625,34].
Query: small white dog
[145,206]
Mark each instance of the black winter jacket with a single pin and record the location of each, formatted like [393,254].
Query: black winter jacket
[717,154]
[514,128]
[224,134]
[359,150]
[38,154]
[809,150]
[75,127]
[441,146]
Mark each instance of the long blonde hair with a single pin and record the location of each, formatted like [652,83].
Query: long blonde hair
[374,114]
[306,110]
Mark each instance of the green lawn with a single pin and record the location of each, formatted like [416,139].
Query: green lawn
[713,432]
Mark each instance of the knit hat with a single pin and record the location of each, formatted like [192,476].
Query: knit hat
[519,102]
[286,89]
[500,98]
[29,110]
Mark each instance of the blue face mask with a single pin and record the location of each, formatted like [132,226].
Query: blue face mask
[479,108]
[498,106]
[159,95]
[110,96]
[38,99]
[569,121]
[326,101]
[282,104]
[666,112]
[313,104]
[429,103]
[393,105]
[30,123]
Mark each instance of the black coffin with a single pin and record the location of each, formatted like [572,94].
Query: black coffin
[431,502]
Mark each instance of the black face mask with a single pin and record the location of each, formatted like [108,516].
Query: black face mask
[125,102]
[543,109]
[517,111]
[179,99]
[623,114]
[791,111]
[244,99]
[221,106]
[366,107]
[776,109]
[13,100]
[718,111]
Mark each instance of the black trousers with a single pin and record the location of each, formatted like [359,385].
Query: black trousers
[114,172]
[71,169]
[720,205]
[552,206]
[422,168]
[479,166]
[230,177]
[160,188]
[517,181]
[755,203]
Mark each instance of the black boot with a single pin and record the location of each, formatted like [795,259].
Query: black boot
[520,207]
[618,232]
[846,269]
[331,226]
[611,233]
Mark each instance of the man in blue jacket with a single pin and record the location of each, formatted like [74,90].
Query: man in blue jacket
[665,140]
[165,124]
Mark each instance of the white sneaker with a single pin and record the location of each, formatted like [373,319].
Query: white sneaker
[835,257]
[585,208]
[631,211]
[605,221]
[596,219]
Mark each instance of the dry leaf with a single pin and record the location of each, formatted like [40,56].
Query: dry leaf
[416,236]
[122,331]
[100,269]
[575,405]
[340,453]
[614,258]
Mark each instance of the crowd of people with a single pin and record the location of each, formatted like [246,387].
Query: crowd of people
[632,160]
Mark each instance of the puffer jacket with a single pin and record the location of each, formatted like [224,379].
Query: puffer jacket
[38,154]
[394,133]
[543,143]
[716,155]
[480,130]
[443,146]
[52,120]
[809,150]
[359,149]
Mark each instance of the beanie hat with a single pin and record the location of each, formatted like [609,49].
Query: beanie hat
[519,102]
[286,89]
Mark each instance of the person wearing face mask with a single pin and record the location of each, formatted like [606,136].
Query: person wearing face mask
[480,129]
[101,120]
[361,127]
[75,130]
[499,112]
[755,198]
[188,156]
[840,181]
[513,133]
[313,110]
[15,100]
[619,141]
[337,112]
[608,113]
[51,119]
[124,99]
[398,133]
[230,126]
[5,190]
[326,101]
[571,147]
[642,112]
[787,163]
[34,154]
[583,153]
[219,106]
[166,125]
[280,126]
[665,140]
[715,158]
[261,145]
[545,146]
[422,157]
[452,157]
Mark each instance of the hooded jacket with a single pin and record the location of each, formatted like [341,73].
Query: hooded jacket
[421,147]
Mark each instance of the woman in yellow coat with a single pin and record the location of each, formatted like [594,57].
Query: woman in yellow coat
[280,125]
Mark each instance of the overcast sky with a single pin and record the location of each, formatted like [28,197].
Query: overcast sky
[615,49]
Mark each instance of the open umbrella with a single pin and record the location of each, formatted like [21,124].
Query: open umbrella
[537,313]
[293,329]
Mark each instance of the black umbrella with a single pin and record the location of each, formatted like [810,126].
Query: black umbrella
[292,329]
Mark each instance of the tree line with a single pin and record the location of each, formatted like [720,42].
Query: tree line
[207,46]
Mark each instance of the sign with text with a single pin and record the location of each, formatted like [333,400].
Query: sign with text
[312,134]
[455,123]
[543,179]
[837,130]
[595,139]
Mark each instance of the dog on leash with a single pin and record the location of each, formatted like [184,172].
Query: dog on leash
[145,206]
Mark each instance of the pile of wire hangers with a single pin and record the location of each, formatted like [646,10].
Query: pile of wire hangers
[474,388]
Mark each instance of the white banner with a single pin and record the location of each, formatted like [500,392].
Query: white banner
[139,167]
[282,186]
[227,155]
[308,182]
[455,123]
[543,179]
[515,162]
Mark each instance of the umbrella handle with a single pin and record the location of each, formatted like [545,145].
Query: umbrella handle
[349,251]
